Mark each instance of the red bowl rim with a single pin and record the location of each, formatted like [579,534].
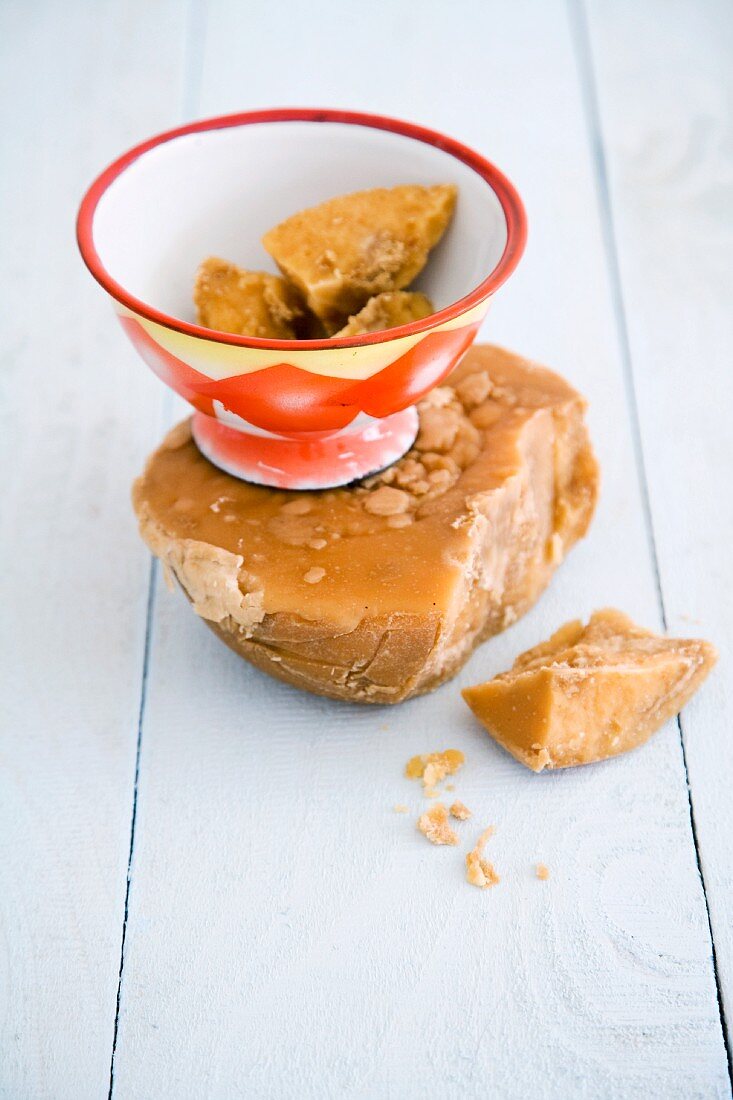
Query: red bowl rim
[511,204]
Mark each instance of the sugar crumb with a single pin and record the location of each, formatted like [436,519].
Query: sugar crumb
[434,766]
[479,872]
[386,501]
[542,871]
[300,506]
[400,520]
[314,575]
[459,811]
[434,825]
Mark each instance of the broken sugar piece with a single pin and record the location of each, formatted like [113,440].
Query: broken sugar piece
[433,767]
[479,872]
[246,303]
[348,249]
[433,824]
[459,811]
[542,871]
[590,692]
[388,310]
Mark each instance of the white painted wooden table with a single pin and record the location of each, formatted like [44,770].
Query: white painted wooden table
[204,891]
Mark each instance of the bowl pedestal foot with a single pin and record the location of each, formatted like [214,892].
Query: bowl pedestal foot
[312,460]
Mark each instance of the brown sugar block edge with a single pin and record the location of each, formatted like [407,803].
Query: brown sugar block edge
[247,303]
[350,248]
[420,563]
[590,692]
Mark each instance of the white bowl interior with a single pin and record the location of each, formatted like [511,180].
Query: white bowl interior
[217,191]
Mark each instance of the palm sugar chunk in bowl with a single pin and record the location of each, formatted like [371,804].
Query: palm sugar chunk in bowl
[590,692]
[388,310]
[380,590]
[349,249]
[246,303]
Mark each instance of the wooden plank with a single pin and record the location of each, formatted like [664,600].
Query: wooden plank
[78,83]
[288,933]
[665,84]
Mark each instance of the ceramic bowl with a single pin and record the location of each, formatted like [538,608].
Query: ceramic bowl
[312,413]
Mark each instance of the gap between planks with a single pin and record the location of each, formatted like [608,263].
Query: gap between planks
[193,54]
[590,101]
[149,613]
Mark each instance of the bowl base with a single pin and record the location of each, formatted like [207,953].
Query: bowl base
[313,461]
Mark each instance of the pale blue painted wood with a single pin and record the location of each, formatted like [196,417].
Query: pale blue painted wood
[665,87]
[288,933]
